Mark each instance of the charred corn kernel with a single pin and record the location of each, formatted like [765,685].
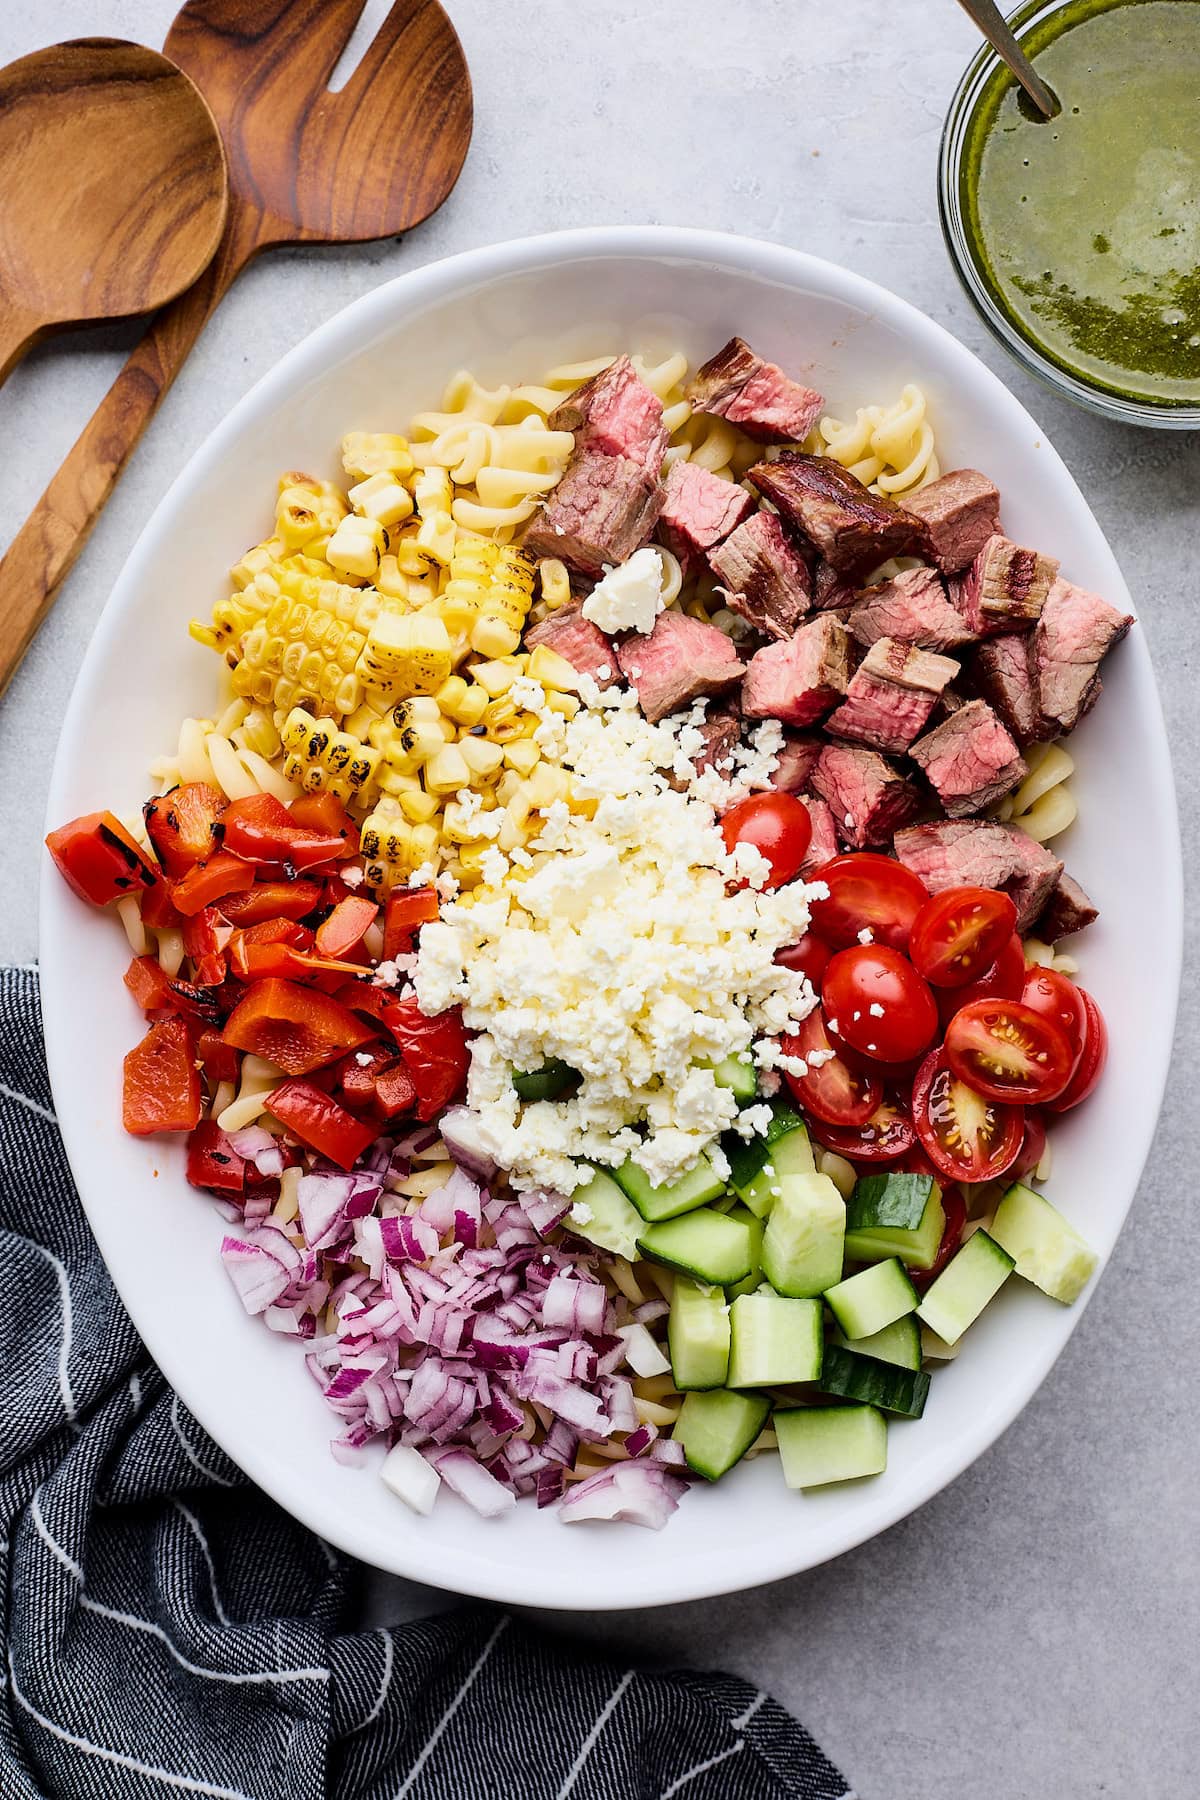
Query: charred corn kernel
[412,560]
[566,704]
[491,636]
[448,729]
[298,523]
[425,845]
[552,670]
[513,827]
[296,656]
[325,760]
[397,783]
[435,536]
[386,836]
[503,721]
[390,581]
[474,705]
[495,677]
[522,755]
[472,571]
[461,825]
[375,453]
[450,697]
[447,771]
[407,747]
[255,562]
[383,498]
[356,547]
[260,733]
[432,492]
[406,653]
[360,721]
[555,583]
[482,757]
[470,858]
[546,785]
[418,806]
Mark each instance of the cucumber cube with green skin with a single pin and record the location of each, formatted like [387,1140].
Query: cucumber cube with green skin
[1046,1248]
[547,1083]
[819,1444]
[717,1429]
[895,1215]
[704,1244]
[774,1341]
[853,1376]
[962,1290]
[900,1343]
[754,1226]
[755,1167]
[698,1336]
[802,1249]
[693,1189]
[739,1075]
[601,1214]
[873,1299]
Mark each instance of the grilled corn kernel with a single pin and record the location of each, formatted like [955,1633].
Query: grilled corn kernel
[255,562]
[382,498]
[432,492]
[470,711]
[323,759]
[356,547]
[450,697]
[386,837]
[460,825]
[435,536]
[492,636]
[375,453]
[552,670]
[397,782]
[546,785]
[483,757]
[418,806]
[495,677]
[447,771]
[390,581]
[503,721]
[406,653]
[555,583]
[522,755]
[509,784]
[566,704]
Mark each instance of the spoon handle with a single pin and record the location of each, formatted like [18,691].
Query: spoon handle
[19,331]
[1000,36]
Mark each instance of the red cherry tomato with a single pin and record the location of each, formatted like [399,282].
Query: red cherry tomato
[966,1137]
[1006,1051]
[1032,1149]
[1091,1062]
[809,956]
[887,1135]
[867,892]
[779,827]
[958,934]
[1059,1000]
[1004,980]
[875,1002]
[955,1209]
[831,1091]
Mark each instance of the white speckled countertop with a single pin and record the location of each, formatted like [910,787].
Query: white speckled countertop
[1032,1631]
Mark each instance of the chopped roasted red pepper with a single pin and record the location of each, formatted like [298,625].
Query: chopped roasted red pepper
[162,1085]
[271,900]
[346,926]
[207,882]
[318,1121]
[184,825]
[219,1058]
[325,812]
[262,830]
[201,943]
[159,911]
[296,1027]
[406,910]
[98,859]
[212,1161]
[395,1090]
[434,1050]
[356,1073]
[160,996]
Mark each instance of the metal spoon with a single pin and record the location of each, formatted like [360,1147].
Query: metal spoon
[995,29]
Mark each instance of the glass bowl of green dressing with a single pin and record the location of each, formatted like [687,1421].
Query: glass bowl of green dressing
[1078,237]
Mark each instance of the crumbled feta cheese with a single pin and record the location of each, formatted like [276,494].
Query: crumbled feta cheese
[351,875]
[363,1058]
[628,598]
[866,935]
[423,876]
[581,1213]
[875,1010]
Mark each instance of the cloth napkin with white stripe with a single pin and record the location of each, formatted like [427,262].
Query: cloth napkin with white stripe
[170,1631]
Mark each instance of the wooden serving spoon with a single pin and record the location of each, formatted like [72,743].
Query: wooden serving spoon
[305,166]
[112,188]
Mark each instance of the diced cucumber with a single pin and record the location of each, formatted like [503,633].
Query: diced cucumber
[754,1226]
[1047,1249]
[691,1190]
[601,1214]
[698,1336]
[818,1444]
[935,1348]
[774,1341]
[547,1083]
[784,1146]
[717,1429]
[965,1285]
[873,1299]
[803,1242]
[899,1343]
[895,1215]
[739,1075]
[704,1244]
[853,1376]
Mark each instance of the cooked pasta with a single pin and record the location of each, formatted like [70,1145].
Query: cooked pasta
[890,449]
[1043,805]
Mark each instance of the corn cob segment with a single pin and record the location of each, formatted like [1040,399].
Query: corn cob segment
[322,759]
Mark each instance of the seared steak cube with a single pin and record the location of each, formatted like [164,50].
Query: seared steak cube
[970,761]
[797,759]
[618,415]
[868,798]
[891,695]
[699,510]
[981,853]
[764,576]
[852,528]
[962,511]
[754,395]
[602,510]
[824,844]
[1005,587]
[583,644]
[799,680]
[1067,911]
[1074,635]
[1001,673]
[721,730]
[832,592]
[913,607]
[682,657]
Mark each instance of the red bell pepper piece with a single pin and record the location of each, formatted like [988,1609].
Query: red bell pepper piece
[262,830]
[201,943]
[395,1090]
[184,825]
[296,1027]
[98,859]
[318,1121]
[325,812]
[271,900]
[221,1061]
[159,911]
[346,926]
[159,996]
[406,910]
[435,1052]
[355,1074]
[207,882]
[162,1085]
[212,1161]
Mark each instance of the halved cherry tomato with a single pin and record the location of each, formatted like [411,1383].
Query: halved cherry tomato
[887,1134]
[958,934]
[778,826]
[161,1082]
[318,1121]
[212,1161]
[965,1137]
[1091,1062]
[875,1002]
[296,1027]
[867,892]
[1008,1052]
[325,812]
[1033,1147]
[184,825]
[955,1209]
[407,909]
[809,955]
[209,881]
[346,926]
[221,1062]
[260,829]
[98,859]
[1047,992]
[434,1050]
[271,900]
[831,1091]
[1004,979]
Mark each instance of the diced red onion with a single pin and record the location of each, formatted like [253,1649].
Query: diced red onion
[259,1277]
[641,1439]
[579,1305]
[471,1482]
[638,1492]
[461,1133]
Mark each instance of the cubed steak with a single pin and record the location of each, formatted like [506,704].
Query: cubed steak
[699,510]
[583,644]
[970,761]
[1074,634]
[603,509]
[682,657]
[721,730]
[1067,911]
[797,759]
[618,415]
[1005,587]
[799,680]
[962,511]
[754,395]
[852,528]
[868,798]
[764,576]
[913,607]
[824,843]
[981,853]
[832,592]
[891,695]
[1001,672]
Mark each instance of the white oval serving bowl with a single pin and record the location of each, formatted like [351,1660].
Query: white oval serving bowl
[508,313]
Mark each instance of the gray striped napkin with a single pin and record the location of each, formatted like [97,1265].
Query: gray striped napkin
[169,1630]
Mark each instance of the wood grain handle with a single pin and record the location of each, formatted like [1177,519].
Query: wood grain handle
[18,331]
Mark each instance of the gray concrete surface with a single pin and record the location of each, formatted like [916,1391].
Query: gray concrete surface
[1033,1631]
